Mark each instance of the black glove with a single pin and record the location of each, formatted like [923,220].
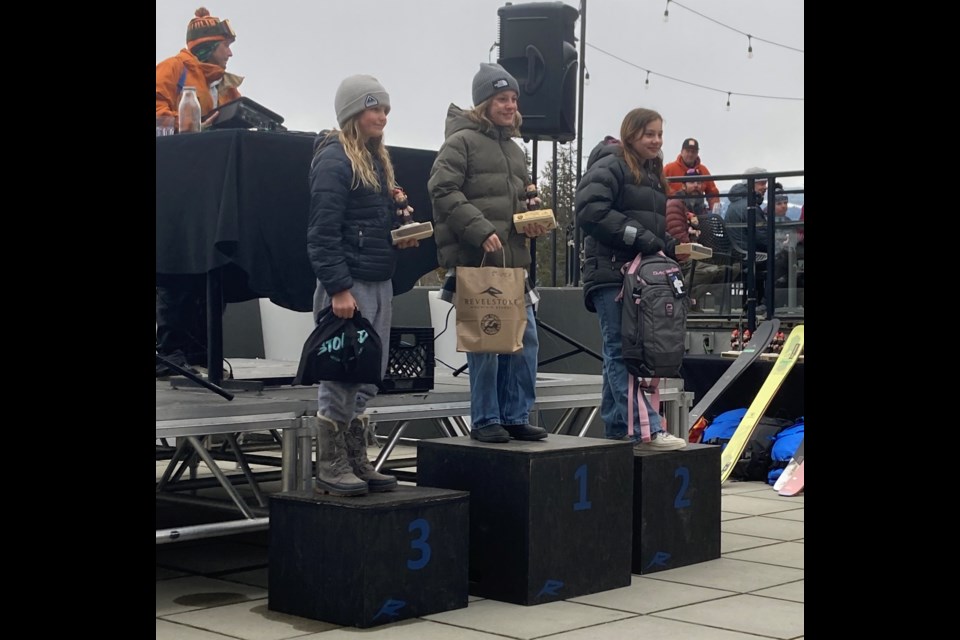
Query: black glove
[648,244]
[670,247]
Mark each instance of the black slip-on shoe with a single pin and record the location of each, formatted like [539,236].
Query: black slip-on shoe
[525,432]
[490,433]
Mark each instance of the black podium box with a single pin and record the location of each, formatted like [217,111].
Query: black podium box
[549,520]
[368,560]
[676,509]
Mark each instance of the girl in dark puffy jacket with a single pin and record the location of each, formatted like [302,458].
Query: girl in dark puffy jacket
[352,212]
[621,207]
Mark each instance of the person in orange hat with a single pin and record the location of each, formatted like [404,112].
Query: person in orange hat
[181,298]
[202,64]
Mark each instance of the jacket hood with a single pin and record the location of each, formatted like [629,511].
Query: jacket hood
[458,121]
[323,140]
[606,147]
[738,192]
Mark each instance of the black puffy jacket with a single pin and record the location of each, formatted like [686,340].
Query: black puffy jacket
[619,218]
[348,236]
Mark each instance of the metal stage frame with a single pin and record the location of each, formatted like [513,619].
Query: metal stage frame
[206,427]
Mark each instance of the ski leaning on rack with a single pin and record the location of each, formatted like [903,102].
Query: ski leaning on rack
[790,482]
[788,357]
[758,344]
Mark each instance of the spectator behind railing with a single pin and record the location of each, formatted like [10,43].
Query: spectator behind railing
[689,158]
[736,220]
[737,211]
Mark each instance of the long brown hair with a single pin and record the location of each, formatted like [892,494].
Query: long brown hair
[633,125]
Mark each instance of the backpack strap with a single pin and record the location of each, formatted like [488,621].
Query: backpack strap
[642,385]
[631,268]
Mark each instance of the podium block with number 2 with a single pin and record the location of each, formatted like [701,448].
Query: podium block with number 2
[676,508]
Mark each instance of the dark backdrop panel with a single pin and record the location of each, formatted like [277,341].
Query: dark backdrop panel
[700,372]
[239,200]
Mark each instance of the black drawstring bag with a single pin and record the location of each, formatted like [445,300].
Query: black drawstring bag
[341,349]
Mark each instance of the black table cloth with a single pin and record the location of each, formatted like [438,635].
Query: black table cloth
[238,201]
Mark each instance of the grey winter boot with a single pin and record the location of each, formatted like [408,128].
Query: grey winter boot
[333,470]
[357,455]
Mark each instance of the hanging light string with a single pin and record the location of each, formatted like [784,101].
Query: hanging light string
[750,38]
[692,84]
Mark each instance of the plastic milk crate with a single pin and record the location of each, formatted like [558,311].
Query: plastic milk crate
[410,365]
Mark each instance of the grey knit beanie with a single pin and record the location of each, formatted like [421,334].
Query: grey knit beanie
[357,93]
[491,80]
[754,170]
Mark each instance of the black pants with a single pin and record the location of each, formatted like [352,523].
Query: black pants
[182,317]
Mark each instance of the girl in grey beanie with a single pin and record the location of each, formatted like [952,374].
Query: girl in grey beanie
[351,251]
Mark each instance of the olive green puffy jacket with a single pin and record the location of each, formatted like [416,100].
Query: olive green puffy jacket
[475,187]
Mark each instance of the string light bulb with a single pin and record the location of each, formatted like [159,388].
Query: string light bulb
[728,101]
[666,12]
[586,77]
[646,83]
[749,46]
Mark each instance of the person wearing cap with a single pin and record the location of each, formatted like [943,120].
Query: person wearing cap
[202,64]
[620,204]
[689,158]
[351,251]
[181,298]
[781,203]
[477,184]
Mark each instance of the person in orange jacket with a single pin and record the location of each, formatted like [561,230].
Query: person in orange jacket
[689,158]
[202,64]
[181,298]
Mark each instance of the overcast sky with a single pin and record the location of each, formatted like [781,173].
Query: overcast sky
[294,53]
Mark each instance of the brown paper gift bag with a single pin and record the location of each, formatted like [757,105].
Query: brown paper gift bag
[491,309]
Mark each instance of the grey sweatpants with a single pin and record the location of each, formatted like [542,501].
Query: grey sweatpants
[343,401]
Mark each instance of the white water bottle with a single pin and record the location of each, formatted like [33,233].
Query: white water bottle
[189,111]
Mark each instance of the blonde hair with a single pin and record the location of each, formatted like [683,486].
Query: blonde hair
[633,124]
[360,152]
[479,115]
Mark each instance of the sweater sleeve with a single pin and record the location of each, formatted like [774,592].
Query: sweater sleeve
[677,224]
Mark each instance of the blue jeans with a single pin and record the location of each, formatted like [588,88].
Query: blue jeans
[613,404]
[503,385]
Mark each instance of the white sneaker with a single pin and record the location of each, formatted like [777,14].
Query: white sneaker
[662,441]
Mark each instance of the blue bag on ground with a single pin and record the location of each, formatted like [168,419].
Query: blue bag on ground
[784,446]
[756,461]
